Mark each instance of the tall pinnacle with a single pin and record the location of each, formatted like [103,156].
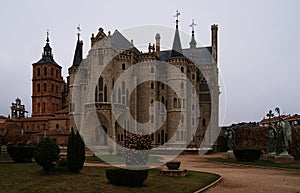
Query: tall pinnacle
[176,49]
[78,50]
[193,42]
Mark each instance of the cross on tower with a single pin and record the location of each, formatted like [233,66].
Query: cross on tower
[79,30]
[177,15]
[193,25]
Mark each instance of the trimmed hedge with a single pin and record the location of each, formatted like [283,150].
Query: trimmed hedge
[247,155]
[125,177]
[21,154]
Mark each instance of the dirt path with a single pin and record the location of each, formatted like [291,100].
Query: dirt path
[242,179]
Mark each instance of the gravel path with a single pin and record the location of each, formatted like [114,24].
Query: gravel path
[242,179]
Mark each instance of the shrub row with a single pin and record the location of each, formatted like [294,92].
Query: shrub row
[126,177]
[21,154]
[247,155]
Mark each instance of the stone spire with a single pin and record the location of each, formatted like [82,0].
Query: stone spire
[176,49]
[78,51]
[193,42]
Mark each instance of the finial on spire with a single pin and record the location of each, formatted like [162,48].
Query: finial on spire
[193,26]
[177,15]
[47,40]
[79,30]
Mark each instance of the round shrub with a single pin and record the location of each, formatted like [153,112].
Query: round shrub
[247,155]
[21,154]
[47,154]
[125,177]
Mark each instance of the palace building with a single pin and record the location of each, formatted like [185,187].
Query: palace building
[171,94]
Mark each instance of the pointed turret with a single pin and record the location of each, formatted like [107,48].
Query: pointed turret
[78,52]
[176,49]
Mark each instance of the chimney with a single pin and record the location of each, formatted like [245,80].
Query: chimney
[214,42]
[157,38]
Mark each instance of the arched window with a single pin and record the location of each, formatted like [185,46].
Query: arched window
[182,118]
[119,95]
[56,73]
[38,87]
[52,87]
[43,107]
[152,70]
[123,66]
[177,135]
[45,71]
[181,136]
[38,71]
[162,104]
[152,85]
[45,87]
[193,121]
[182,69]
[158,138]
[123,87]
[162,136]
[96,94]
[127,97]
[193,76]
[100,97]
[100,135]
[52,72]
[39,107]
[152,103]
[105,93]
[203,122]
[152,137]
[123,100]
[162,86]
[182,85]
[174,102]
[193,106]
[100,83]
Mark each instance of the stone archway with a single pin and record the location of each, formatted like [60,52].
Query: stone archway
[100,138]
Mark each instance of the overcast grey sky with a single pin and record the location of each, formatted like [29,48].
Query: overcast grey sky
[258,44]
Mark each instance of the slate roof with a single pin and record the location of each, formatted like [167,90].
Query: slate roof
[121,42]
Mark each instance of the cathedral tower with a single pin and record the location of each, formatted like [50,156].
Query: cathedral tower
[47,84]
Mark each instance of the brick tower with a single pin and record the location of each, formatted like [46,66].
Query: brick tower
[47,84]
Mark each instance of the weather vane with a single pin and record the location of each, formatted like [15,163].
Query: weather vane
[193,25]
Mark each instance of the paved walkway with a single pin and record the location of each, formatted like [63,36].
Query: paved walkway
[243,179]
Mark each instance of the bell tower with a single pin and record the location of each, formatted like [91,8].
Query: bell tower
[47,84]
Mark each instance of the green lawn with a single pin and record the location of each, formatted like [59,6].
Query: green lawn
[295,165]
[18,177]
